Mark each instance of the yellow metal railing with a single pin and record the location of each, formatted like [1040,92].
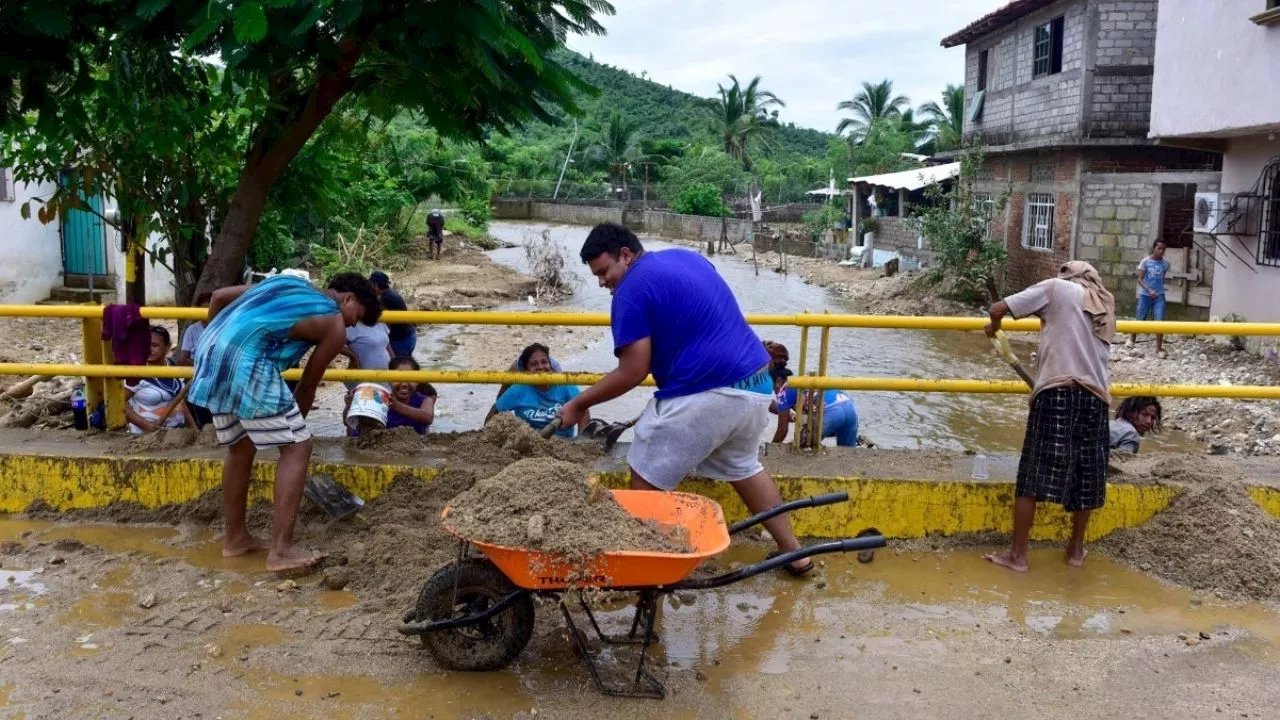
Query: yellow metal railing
[99,365]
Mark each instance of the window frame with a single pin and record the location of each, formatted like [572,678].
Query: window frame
[8,191]
[1036,207]
[984,67]
[1049,38]
[1268,252]
[984,206]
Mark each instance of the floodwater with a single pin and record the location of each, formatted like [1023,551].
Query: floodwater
[981,423]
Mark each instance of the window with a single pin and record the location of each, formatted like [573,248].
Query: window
[1269,235]
[1042,172]
[984,210]
[7,193]
[1037,222]
[1047,50]
[982,70]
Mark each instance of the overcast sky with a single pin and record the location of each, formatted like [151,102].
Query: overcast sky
[811,53]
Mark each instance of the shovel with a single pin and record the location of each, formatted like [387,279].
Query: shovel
[337,502]
[593,483]
[1001,343]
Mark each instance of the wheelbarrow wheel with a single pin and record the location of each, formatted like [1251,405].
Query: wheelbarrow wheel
[487,645]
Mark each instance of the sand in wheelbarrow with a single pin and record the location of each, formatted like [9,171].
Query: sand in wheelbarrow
[498,510]
[1212,537]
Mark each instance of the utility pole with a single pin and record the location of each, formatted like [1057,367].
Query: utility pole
[567,158]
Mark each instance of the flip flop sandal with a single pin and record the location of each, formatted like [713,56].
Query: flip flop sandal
[867,556]
[793,571]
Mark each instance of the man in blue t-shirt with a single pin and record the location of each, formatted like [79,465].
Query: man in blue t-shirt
[675,317]
[1151,274]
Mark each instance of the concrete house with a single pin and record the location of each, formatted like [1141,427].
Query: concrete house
[78,259]
[1217,87]
[1058,92]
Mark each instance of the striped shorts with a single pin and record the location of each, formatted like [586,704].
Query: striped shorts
[1066,449]
[266,432]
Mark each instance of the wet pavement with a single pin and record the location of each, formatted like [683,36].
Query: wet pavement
[912,634]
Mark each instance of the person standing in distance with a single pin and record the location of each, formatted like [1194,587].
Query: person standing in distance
[404,337]
[673,315]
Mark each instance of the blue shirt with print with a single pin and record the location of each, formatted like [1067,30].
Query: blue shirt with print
[700,339]
[788,398]
[1153,272]
[537,408]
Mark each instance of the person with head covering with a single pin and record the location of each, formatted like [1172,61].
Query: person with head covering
[1135,417]
[1067,444]
[435,233]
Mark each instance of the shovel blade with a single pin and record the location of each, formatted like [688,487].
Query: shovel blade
[336,501]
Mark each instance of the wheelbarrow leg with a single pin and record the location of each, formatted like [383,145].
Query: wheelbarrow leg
[643,684]
[631,638]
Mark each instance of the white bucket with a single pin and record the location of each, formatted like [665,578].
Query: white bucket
[370,403]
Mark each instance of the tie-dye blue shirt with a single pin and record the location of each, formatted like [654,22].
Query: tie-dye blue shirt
[243,351]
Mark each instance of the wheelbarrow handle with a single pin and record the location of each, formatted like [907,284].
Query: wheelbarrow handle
[867,542]
[815,501]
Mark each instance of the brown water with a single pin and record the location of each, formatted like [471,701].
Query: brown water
[986,423]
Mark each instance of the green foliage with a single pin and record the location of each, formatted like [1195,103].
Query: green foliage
[957,224]
[881,149]
[273,245]
[360,252]
[946,121]
[874,102]
[829,216]
[476,212]
[740,116]
[706,166]
[701,199]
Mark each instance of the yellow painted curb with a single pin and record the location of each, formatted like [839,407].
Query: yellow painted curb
[1268,498]
[898,508]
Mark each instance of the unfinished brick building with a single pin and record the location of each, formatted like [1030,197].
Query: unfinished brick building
[1058,92]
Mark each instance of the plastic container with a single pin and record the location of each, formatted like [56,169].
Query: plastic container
[370,403]
[80,409]
[980,471]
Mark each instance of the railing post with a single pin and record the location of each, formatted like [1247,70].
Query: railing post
[113,392]
[91,330]
[801,417]
[816,434]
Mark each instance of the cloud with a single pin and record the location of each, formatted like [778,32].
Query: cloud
[811,53]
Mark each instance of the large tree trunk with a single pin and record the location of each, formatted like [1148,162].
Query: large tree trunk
[275,145]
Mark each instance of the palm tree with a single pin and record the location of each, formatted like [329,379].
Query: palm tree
[873,102]
[740,115]
[946,121]
[615,147]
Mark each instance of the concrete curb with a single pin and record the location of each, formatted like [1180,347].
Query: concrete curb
[898,508]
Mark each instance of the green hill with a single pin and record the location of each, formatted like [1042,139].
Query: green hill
[663,112]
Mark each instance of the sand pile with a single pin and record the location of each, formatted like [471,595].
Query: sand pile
[505,439]
[544,504]
[1212,537]
[395,441]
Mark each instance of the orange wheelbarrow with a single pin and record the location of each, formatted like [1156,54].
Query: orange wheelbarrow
[477,612]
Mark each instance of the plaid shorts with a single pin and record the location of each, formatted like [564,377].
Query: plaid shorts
[1066,449]
[267,432]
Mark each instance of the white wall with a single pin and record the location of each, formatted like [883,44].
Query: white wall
[160,287]
[1216,71]
[30,253]
[1237,288]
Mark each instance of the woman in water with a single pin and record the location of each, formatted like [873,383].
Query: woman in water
[146,399]
[537,405]
[839,416]
[412,404]
[1135,417]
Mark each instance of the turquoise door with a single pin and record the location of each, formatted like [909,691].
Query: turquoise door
[84,240]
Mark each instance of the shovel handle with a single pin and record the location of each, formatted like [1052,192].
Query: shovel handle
[551,428]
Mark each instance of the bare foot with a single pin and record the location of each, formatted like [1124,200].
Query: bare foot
[242,546]
[1006,559]
[1077,559]
[293,559]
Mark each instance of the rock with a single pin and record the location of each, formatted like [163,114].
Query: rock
[213,650]
[688,598]
[1204,635]
[675,602]
[1007,660]
[813,716]
[55,560]
[536,528]
[1144,567]
[148,601]
[1192,641]
[336,578]
[11,547]
[68,545]
[298,692]
[821,585]
[700,676]
[286,586]
[1126,631]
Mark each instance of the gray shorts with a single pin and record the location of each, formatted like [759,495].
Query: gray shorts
[713,434]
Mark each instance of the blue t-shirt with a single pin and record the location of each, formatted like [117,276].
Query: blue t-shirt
[701,341]
[788,398]
[538,408]
[1153,272]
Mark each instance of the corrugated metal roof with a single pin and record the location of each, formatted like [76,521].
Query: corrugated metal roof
[995,19]
[912,179]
